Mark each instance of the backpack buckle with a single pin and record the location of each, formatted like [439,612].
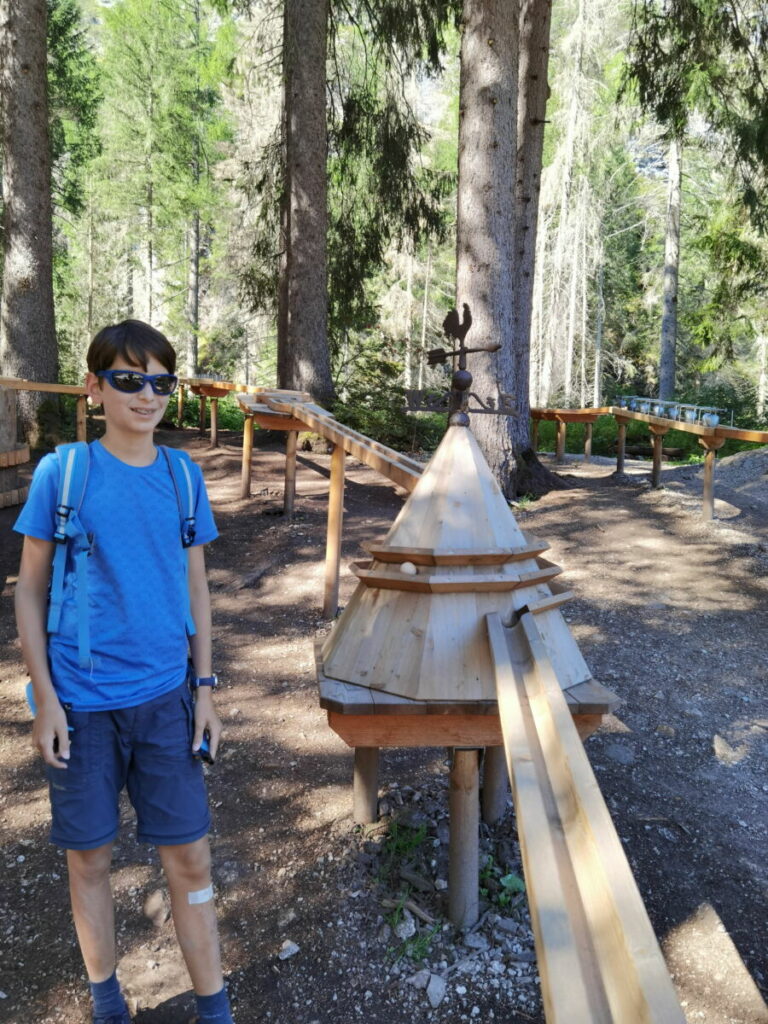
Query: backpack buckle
[188,532]
[63,513]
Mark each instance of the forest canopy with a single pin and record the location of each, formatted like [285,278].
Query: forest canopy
[165,130]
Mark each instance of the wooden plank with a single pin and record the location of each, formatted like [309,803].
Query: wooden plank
[739,434]
[19,384]
[616,972]
[428,556]
[442,583]
[591,698]
[289,488]
[416,730]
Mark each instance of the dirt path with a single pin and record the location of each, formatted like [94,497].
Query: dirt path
[670,613]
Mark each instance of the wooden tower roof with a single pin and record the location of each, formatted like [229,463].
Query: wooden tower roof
[415,626]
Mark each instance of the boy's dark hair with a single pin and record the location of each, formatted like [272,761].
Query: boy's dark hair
[133,341]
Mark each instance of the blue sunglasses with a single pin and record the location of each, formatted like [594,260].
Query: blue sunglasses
[131,382]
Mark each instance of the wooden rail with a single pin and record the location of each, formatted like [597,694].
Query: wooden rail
[597,954]
[711,440]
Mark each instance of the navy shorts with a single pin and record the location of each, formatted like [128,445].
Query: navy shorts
[147,749]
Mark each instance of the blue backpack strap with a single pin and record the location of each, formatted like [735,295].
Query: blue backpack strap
[69,534]
[180,466]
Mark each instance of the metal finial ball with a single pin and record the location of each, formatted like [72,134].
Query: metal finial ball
[462,380]
[458,419]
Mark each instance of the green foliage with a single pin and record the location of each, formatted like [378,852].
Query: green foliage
[702,55]
[372,400]
[74,98]
[400,844]
[500,887]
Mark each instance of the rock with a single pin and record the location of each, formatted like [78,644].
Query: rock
[620,754]
[724,752]
[288,949]
[156,908]
[508,924]
[436,990]
[666,731]
[406,928]
[420,979]
[408,569]
[474,940]
[288,916]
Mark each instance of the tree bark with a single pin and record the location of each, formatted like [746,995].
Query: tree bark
[27,329]
[671,266]
[535,21]
[303,359]
[485,218]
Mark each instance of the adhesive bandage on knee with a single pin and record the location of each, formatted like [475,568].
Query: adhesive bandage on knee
[201,896]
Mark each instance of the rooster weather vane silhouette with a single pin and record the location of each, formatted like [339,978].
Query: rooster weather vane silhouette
[456,401]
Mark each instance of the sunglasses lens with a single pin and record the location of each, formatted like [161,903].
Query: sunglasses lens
[128,382]
[165,384]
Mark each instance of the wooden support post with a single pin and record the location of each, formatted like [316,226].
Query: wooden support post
[202,413]
[180,406]
[711,445]
[214,423]
[81,411]
[495,784]
[658,444]
[621,445]
[464,847]
[365,787]
[588,442]
[560,451]
[535,435]
[333,542]
[245,474]
[289,491]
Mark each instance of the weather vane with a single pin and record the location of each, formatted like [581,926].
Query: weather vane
[456,402]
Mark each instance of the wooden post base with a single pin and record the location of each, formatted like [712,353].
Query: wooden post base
[464,844]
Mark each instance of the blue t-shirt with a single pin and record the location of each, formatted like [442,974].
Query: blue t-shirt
[137,584]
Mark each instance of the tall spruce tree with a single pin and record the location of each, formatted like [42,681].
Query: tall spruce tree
[27,328]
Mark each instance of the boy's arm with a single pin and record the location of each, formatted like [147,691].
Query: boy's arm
[31,602]
[200,643]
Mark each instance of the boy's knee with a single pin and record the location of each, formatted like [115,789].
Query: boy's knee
[90,866]
[189,863]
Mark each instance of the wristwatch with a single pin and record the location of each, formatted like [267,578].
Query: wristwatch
[212,681]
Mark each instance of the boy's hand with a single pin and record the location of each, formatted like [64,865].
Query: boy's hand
[206,719]
[50,734]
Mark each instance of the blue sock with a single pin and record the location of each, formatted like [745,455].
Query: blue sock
[107,998]
[214,1009]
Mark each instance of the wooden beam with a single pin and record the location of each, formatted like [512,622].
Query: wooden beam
[408,730]
[708,499]
[245,472]
[214,423]
[365,786]
[203,401]
[463,844]
[621,445]
[81,415]
[560,442]
[289,489]
[495,784]
[657,433]
[598,958]
[333,542]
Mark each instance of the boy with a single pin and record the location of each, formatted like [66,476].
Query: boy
[127,718]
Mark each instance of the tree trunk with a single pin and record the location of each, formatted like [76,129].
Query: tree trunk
[599,321]
[671,266]
[485,222]
[304,360]
[409,319]
[535,19]
[193,296]
[762,383]
[27,329]
[424,309]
